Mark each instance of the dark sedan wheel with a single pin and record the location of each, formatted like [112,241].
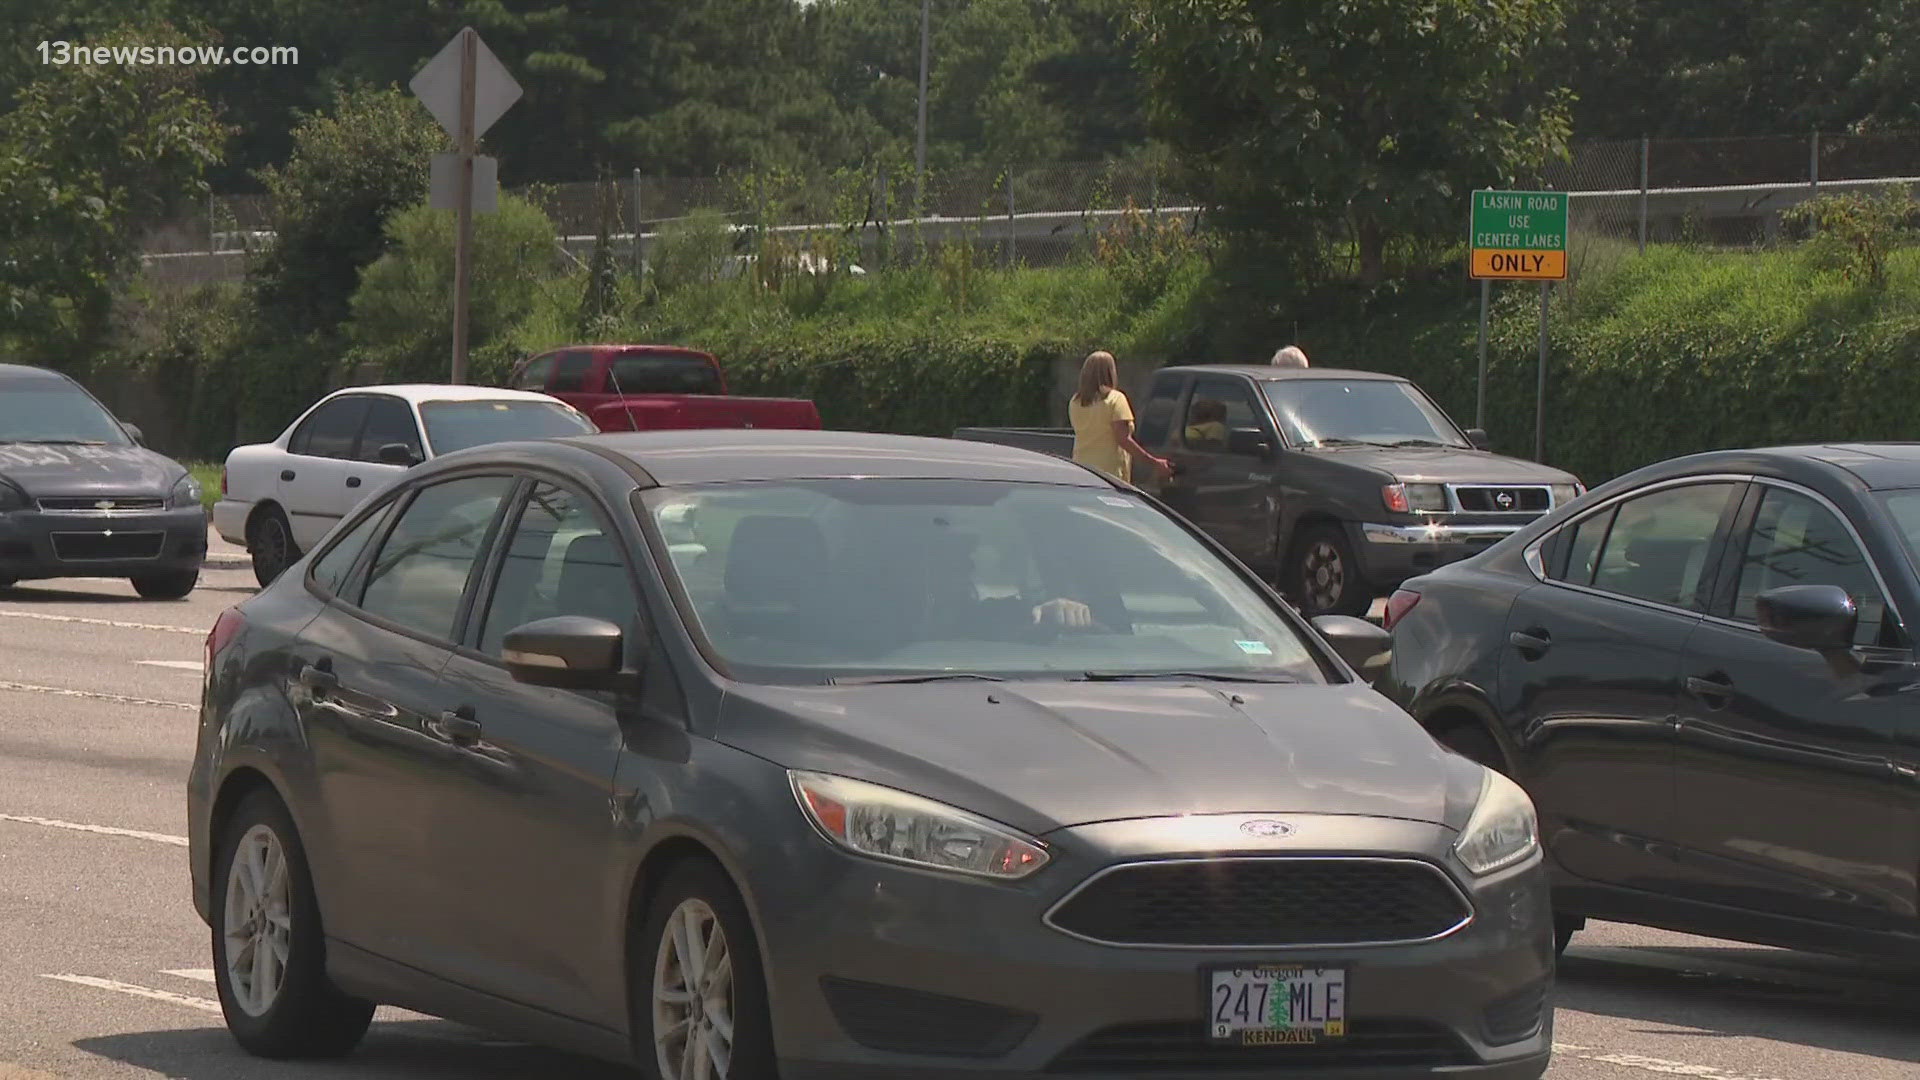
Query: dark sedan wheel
[270,541]
[1324,577]
[269,961]
[170,585]
[700,1000]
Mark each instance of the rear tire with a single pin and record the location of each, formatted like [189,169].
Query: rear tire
[269,956]
[270,542]
[1323,575]
[167,585]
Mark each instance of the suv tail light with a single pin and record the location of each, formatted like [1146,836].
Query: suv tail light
[1398,605]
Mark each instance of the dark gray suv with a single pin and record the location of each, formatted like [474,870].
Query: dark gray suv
[813,754]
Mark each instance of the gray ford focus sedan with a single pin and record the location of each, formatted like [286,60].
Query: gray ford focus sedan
[738,754]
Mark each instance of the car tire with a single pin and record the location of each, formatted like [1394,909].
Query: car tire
[1323,576]
[696,903]
[270,542]
[167,585]
[275,992]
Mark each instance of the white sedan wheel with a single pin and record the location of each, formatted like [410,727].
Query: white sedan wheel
[693,996]
[259,920]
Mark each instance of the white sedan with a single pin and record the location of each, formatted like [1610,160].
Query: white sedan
[278,499]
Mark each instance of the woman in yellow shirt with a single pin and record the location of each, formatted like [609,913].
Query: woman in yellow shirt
[1103,422]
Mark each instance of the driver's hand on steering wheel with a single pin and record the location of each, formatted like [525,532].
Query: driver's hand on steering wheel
[1063,612]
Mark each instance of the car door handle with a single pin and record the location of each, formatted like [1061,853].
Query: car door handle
[457,726]
[319,678]
[286,474]
[353,481]
[1716,689]
[1534,642]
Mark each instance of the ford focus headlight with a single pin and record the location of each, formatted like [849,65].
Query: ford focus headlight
[882,823]
[185,493]
[1502,830]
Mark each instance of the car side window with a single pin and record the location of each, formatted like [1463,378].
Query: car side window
[535,375]
[570,371]
[421,571]
[1156,417]
[1661,543]
[1217,407]
[1583,547]
[1796,541]
[331,430]
[389,420]
[560,560]
[333,565]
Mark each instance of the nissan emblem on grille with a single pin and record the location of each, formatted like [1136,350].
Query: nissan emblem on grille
[1266,827]
[1504,499]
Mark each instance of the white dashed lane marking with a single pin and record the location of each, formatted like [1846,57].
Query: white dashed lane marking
[101,830]
[175,665]
[95,695]
[43,616]
[148,992]
[200,975]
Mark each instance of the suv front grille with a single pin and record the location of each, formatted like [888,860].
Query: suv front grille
[1182,1046]
[1271,902]
[1495,499]
[97,504]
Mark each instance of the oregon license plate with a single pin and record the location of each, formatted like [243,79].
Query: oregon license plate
[1276,1006]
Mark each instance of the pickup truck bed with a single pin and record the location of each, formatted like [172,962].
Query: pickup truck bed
[653,388]
[1047,440]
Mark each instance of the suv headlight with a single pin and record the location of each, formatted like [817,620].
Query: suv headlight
[1502,829]
[1414,498]
[882,823]
[185,493]
[11,497]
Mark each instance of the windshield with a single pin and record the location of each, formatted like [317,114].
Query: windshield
[807,581]
[456,425]
[52,412]
[1322,412]
[1904,507]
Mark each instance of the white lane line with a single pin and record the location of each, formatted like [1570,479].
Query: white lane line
[168,996]
[176,665]
[102,830]
[1643,1063]
[201,975]
[43,616]
[95,695]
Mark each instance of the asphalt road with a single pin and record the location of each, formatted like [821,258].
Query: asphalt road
[102,960]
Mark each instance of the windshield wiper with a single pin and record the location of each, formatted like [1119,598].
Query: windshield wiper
[1341,440]
[876,680]
[1209,676]
[1418,442]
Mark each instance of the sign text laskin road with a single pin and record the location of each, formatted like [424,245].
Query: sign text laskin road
[1519,235]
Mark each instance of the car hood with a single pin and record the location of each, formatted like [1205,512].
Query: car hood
[1046,755]
[88,470]
[1445,465]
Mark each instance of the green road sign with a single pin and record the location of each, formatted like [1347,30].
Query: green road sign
[1519,235]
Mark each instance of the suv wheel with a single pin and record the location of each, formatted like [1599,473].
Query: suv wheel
[1324,576]
[269,961]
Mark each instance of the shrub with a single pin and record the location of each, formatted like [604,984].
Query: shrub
[1142,251]
[1853,233]
[690,251]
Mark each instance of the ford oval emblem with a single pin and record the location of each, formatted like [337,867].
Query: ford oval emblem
[1267,828]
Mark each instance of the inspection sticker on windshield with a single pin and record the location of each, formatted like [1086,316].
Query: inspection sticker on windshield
[1115,500]
[1276,1006]
[1254,648]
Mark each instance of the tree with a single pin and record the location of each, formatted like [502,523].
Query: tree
[1293,116]
[90,157]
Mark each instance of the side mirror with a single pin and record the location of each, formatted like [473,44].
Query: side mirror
[1248,442]
[569,652]
[1817,617]
[400,454]
[1477,438]
[133,432]
[1359,642]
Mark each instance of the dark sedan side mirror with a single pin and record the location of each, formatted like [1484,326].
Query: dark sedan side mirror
[569,652]
[133,432]
[1817,617]
[1248,442]
[1477,438]
[401,454]
[1359,642]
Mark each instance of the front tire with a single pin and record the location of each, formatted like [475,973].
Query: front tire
[269,956]
[166,585]
[1324,576]
[700,997]
[270,542]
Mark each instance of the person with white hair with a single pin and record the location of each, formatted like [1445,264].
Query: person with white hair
[1291,356]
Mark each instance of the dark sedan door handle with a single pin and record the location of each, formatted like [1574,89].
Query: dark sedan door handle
[319,678]
[1531,642]
[353,481]
[286,474]
[1716,690]
[458,726]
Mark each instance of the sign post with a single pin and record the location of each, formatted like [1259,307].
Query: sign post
[467,89]
[1518,236]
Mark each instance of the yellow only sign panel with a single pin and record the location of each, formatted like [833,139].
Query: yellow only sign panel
[1529,265]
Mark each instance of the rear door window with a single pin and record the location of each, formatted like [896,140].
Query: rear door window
[420,574]
[663,373]
[332,429]
[334,566]
[570,371]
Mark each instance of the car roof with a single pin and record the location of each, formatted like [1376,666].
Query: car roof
[1867,465]
[1267,373]
[730,454]
[422,392]
[21,373]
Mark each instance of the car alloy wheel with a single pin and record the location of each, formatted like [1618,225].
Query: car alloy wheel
[693,1000]
[259,921]
[1324,575]
[272,547]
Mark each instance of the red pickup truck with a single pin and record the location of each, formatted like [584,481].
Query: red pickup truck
[654,387]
